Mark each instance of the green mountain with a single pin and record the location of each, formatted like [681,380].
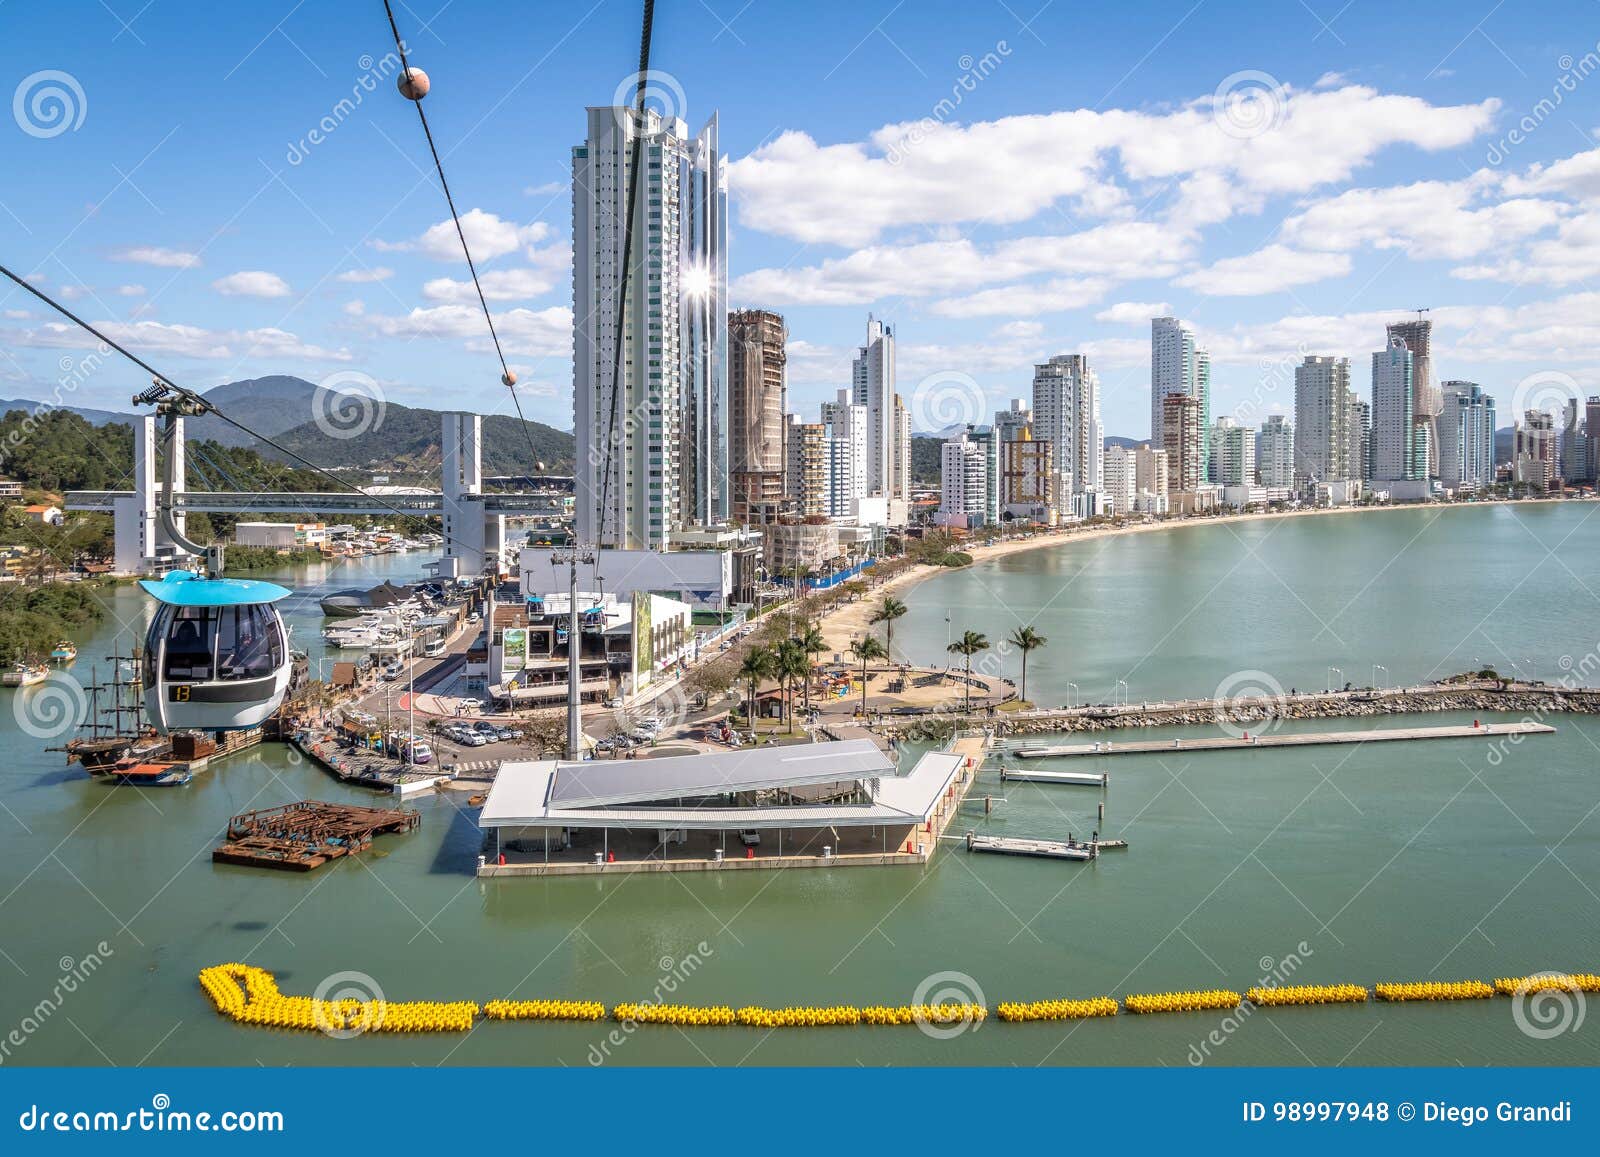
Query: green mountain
[406,439]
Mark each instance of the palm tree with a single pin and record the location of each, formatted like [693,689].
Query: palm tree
[866,648]
[1026,639]
[791,663]
[968,645]
[759,663]
[886,613]
[810,641]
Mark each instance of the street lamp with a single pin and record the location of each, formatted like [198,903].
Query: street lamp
[1073,698]
[1334,676]
[1376,667]
[1122,688]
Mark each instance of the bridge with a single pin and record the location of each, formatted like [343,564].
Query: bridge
[473,521]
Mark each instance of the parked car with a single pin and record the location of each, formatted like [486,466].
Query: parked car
[486,729]
[614,702]
[503,733]
[750,839]
[418,751]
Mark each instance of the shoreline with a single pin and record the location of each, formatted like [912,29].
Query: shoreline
[849,620]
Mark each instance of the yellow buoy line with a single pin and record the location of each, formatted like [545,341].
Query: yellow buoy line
[249,995]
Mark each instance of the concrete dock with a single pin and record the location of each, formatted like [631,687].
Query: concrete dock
[1077,778]
[1046,849]
[1285,739]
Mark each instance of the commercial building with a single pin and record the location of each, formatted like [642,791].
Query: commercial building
[757,402]
[1466,438]
[652,444]
[280,535]
[717,578]
[1275,452]
[1322,409]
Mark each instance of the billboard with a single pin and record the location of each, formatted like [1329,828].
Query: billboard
[644,657]
[514,650]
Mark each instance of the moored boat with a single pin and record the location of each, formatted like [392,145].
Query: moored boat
[63,653]
[25,675]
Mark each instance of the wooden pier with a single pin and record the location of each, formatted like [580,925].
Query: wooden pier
[1280,739]
[1045,849]
[301,836]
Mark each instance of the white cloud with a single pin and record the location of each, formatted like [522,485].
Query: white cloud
[1267,270]
[1134,312]
[1427,219]
[154,255]
[1054,296]
[1024,330]
[542,333]
[252,283]
[17,315]
[1576,176]
[365,276]
[548,189]
[498,285]
[1009,170]
[131,291]
[488,235]
[187,341]
[74,292]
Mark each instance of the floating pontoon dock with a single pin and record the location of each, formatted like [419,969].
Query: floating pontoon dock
[1047,849]
[1281,739]
[1080,778]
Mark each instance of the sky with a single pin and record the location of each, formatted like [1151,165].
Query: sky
[236,190]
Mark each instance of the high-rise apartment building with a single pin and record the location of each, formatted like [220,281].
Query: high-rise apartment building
[1358,432]
[872,377]
[809,459]
[1399,441]
[1574,450]
[1232,460]
[900,451]
[1151,472]
[964,481]
[1322,398]
[1534,450]
[847,425]
[1027,475]
[756,406]
[652,441]
[1177,366]
[1466,437]
[1275,452]
[1180,426]
[1417,337]
[1120,481]
[1010,423]
[1066,413]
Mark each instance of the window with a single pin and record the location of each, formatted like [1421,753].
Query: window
[187,632]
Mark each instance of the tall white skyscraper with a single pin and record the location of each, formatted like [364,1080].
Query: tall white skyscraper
[847,425]
[1322,398]
[1466,437]
[1399,441]
[652,447]
[1120,479]
[1172,366]
[1232,453]
[1275,452]
[964,481]
[873,387]
[1066,413]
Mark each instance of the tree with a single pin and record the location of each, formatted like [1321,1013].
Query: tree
[792,663]
[968,645]
[886,613]
[811,642]
[865,648]
[1026,639]
[759,664]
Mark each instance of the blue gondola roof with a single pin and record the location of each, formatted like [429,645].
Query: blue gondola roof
[182,588]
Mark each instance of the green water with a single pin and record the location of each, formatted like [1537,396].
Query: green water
[1389,862]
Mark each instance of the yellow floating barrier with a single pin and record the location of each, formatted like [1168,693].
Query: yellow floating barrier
[1017,1012]
[1434,990]
[682,1015]
[250,995]
[1202,1001]
[544,1010]
[1548,982]
[1307,994]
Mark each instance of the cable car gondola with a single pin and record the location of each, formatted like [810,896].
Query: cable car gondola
[216,657]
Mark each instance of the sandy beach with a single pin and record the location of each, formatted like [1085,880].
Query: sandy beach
[849,621]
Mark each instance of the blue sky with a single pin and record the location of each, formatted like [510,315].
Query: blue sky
[1287,176]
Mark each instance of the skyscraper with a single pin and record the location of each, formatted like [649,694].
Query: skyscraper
[1180,424]
[1466,437]
[1322,399]
[756,406]
[1417,337]
[847,424]
[1172,367]
[1066,413]
[807,462]
[1232,460]
[1398,442]
[1534,450]
[872,376]
[963,481]
[1275,452]
[652,445]
[1358,432]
